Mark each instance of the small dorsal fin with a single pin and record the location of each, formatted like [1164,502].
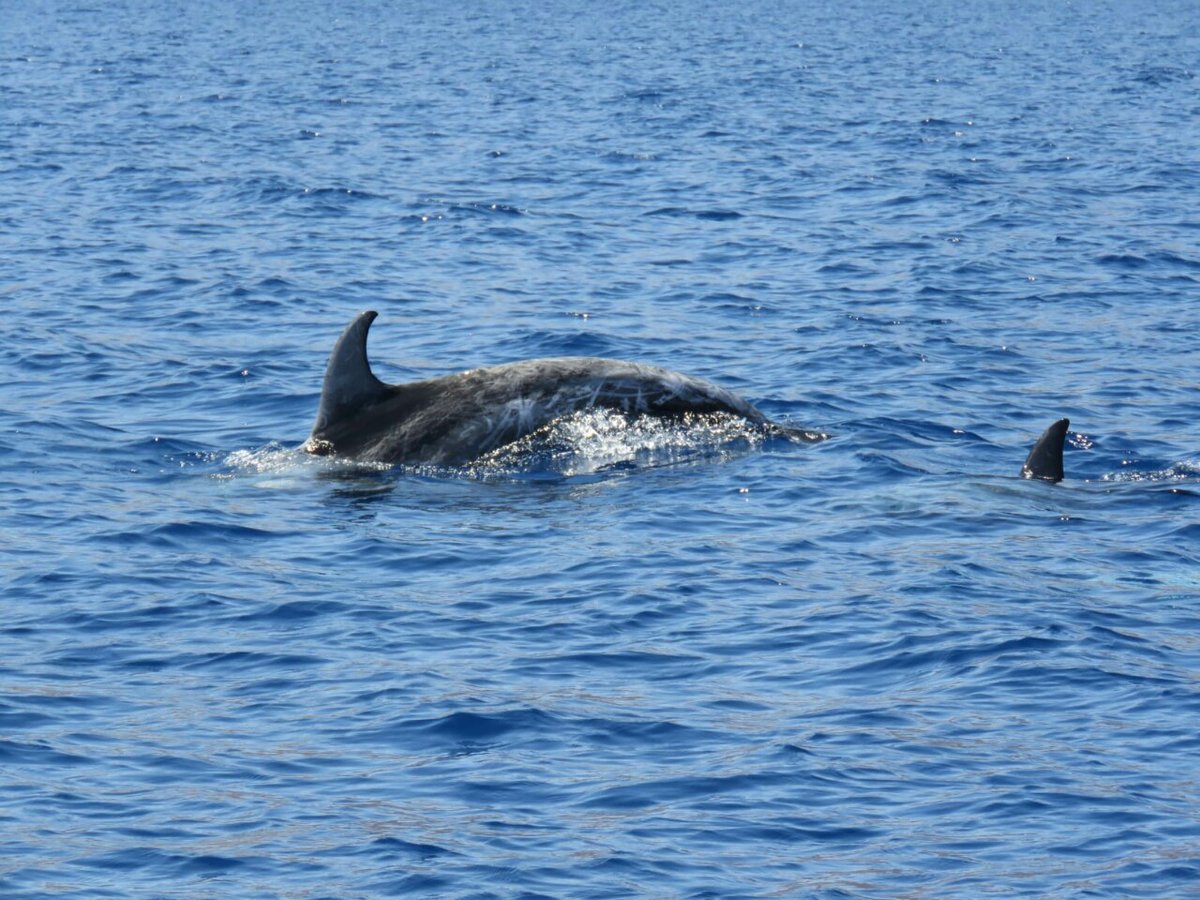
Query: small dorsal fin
[1045,460]
[349,382]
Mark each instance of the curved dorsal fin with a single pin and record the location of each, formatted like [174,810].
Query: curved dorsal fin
[1045,460]
[349,383]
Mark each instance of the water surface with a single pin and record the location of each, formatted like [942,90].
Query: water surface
[880,666]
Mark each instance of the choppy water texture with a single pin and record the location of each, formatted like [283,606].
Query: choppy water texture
[628,661]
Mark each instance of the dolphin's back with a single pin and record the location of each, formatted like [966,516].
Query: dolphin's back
[457,418]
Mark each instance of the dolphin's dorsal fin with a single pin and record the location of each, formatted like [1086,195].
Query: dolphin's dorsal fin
[349,383]
[1045,460]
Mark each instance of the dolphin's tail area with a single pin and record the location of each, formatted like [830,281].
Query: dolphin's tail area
[1045,460]
[349,383]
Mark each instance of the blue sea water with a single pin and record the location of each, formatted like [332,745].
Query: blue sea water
[663,664]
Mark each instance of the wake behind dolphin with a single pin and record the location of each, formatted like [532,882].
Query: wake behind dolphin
[456,419]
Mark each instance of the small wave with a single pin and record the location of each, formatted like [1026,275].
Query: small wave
[161,861]
[570,343]
[283,468]
[467,731]
[267,460]
[486,209]
[1154,76]
[711,215]
[1123,260]
[1180,471]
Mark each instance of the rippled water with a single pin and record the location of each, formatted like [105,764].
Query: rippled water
[632,660]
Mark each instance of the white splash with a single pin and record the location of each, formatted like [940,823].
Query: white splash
[275,467]
[1181,471]
[596,440]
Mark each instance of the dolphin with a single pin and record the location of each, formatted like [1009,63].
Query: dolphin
[1045,460]
[455,419]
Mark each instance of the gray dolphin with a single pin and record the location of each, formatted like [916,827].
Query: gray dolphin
[455,419]
[1045,460]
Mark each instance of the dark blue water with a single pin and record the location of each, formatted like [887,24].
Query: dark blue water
[662,665]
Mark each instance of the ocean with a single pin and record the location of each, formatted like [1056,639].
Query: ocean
[655,662]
